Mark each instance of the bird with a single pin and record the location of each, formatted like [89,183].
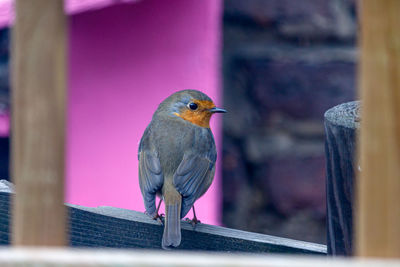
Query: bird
[177,158]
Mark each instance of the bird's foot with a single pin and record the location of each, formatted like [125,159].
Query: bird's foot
[193,221]
[157,217]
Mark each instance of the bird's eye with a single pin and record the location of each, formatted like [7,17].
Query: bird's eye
[192,106]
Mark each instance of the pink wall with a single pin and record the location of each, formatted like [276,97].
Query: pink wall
[124,60]
[4,123]
[71,7]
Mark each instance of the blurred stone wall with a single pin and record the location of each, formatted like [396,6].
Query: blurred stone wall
[285,63]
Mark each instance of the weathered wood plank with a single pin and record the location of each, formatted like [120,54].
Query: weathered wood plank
[148,234]
[341,124]
[38,115]
[109,227]
[378,213]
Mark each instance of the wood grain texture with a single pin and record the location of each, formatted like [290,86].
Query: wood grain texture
[378,216]
[38,122]
[341,124]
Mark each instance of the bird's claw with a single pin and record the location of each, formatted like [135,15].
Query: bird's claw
[157,217]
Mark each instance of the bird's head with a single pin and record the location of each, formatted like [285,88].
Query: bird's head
[190,105]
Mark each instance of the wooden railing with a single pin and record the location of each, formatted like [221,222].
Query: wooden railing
[38,122]
[378,214]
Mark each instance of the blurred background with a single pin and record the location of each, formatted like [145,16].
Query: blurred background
[283,64]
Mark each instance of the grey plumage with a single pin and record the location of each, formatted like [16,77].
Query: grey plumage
[177,160]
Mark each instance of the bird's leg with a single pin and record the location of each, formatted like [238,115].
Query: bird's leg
[193,221]
[158,217]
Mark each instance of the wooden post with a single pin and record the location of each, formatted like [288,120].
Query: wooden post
[38,115]
[341,126]
[378,220]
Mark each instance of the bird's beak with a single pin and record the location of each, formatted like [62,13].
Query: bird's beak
[217,110]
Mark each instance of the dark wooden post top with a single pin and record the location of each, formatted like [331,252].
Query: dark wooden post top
[344,115]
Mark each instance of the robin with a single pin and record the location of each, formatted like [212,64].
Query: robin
[177,159]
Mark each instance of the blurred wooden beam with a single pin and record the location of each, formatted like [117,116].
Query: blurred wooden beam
[112,257]
[38,115]
[378,220]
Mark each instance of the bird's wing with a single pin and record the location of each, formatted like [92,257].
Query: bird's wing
[192,179]
[151,179]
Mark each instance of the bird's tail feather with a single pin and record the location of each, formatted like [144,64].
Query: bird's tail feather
[172,227]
